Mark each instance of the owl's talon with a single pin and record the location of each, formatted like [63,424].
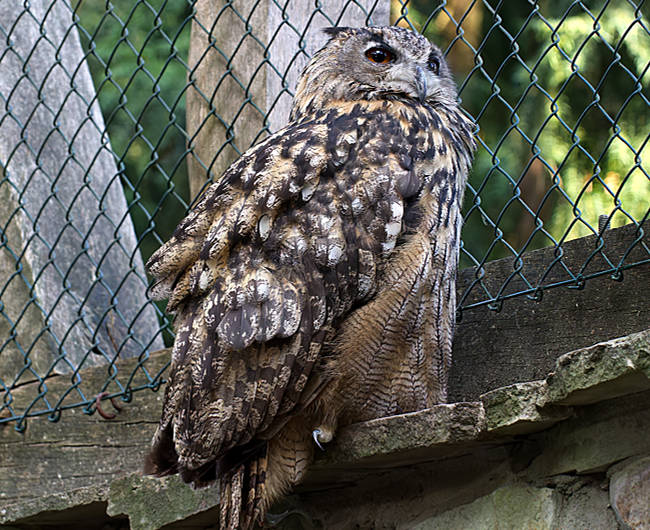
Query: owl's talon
[322,434]
[315,434]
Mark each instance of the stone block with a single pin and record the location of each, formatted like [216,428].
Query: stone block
[394,437]
[521,408]
[584,503]
[596,437]
[602,371]
[508,508]
[152,503]
[629,493]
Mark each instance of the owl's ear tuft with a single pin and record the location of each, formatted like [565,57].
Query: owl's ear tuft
[335,31]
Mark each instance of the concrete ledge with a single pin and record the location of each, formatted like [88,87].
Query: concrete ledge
[521,408]
[603,371]
[405,438]
[589,375]
[152,503]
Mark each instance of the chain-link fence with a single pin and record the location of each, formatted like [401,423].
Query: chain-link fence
[112,111]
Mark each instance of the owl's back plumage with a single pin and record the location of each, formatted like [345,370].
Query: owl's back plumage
[313,284]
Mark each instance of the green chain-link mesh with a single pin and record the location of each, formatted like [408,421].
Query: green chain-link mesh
[559,94]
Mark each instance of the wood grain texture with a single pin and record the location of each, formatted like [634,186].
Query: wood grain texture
[79,450]
[72,275]
[522,341]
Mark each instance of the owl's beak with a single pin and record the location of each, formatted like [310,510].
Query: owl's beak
[420,84]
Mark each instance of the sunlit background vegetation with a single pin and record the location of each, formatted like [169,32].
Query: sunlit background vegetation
[560,96]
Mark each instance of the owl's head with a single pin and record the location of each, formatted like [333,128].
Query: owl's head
[375,63]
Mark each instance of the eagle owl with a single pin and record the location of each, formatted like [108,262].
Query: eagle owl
[313,285]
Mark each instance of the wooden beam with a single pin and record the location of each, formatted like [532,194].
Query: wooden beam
[80,449]
[522,340]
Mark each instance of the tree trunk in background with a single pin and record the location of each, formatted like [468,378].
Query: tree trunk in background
[244,61]
[71,275]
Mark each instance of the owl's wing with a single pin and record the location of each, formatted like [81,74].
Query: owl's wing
[270,258]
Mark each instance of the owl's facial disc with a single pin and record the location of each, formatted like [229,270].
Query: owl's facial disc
[375,63]
[421,84]
[399,74]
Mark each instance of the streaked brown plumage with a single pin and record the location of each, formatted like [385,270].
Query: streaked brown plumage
[313,284]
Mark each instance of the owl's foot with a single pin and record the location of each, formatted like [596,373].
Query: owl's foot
[322,434]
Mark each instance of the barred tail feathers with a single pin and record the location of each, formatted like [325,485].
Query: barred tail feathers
[242,492]
[249,489]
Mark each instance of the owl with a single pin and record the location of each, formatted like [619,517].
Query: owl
[313,285]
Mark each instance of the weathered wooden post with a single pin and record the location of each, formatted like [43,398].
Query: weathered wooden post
[72,282]
[245,57]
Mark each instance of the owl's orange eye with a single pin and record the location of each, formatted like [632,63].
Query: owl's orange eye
[380,55]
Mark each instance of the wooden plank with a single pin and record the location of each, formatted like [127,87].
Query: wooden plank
[80,449]
[521,342]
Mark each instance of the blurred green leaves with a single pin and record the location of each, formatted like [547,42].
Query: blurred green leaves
[560,95]
[137,53]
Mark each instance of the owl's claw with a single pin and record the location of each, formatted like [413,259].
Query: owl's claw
[315,434]
[322,434]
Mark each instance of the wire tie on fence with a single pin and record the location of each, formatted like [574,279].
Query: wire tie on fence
[579,284]
[496,305]
[102,413]
[536,296]
[54,416]
[603,223]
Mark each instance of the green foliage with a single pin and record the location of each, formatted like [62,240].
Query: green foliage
[561,99]
[137,54]
[598,86]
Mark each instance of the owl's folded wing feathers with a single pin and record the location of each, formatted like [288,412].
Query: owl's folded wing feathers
[257,270]
[247,197]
